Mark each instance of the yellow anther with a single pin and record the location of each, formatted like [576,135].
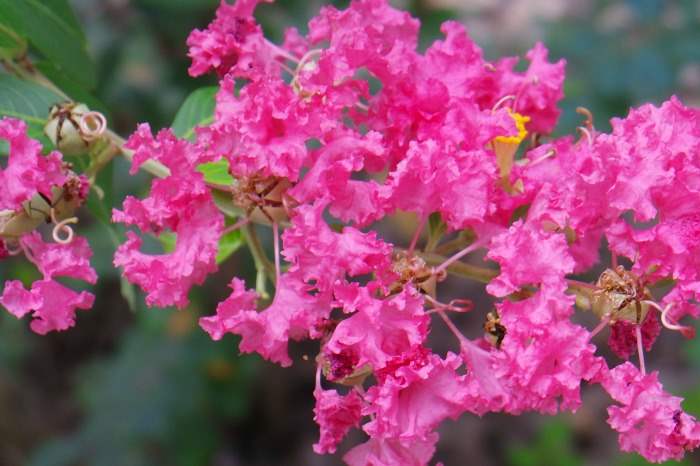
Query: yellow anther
[520,121]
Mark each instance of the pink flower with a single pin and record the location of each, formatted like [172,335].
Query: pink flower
[227,311]
[330,177]
[457,61]
[182,203]
[380,330]
[323,256]
[370,34]
[486,392]
[52,303]
[291,315]
[544,357]
[416,398]
[261,129]
[232,40]
[27,172]
[537,91]
[335,415]
[528,255]
[649,420]
[393,452]
[435,178]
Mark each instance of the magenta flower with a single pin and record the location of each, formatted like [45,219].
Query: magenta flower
[649,420]
[180,203]
[53,305]
[39,189]
[339,129]
[27,172]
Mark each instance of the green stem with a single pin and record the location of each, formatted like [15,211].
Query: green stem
[263,265]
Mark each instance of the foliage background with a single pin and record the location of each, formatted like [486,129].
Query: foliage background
[147,387]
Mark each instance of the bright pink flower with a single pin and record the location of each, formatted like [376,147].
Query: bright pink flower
[290,316]
[330,177]
[27,171]
[232,40]
[181,203]
[52,303]
[61,260]
[227,311]
[381,329]
[457,61]
[416,398]
[486,392]
[434,178]
[295,43]
[544,357]
[654,153]
[393,452]
[528,255]
[537,91]
[335,415]
[323,256]
[369,34]
[649,420]
[261,129]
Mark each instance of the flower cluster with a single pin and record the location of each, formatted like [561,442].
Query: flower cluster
[333,131]
[39,189]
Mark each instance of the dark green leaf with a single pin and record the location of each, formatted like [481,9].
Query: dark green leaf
[25,100]
[74,90]
[29,102]
[12,45]
[63,9]
[53,34]
[197,110]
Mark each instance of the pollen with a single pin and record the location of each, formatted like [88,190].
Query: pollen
[520,121]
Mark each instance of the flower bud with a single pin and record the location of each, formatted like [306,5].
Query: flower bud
[72,127]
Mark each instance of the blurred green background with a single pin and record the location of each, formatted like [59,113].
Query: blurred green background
[146,387]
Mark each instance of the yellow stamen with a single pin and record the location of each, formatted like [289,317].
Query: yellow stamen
[505,148]
[520,121]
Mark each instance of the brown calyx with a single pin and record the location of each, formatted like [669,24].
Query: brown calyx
[263,199]
[620,294]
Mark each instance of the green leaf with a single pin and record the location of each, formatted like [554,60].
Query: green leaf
[29,102]
[25,100]
[51,27]
[228,244]
[197,110]
[216,172]
[11,44]
[74,90]
[63,9]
